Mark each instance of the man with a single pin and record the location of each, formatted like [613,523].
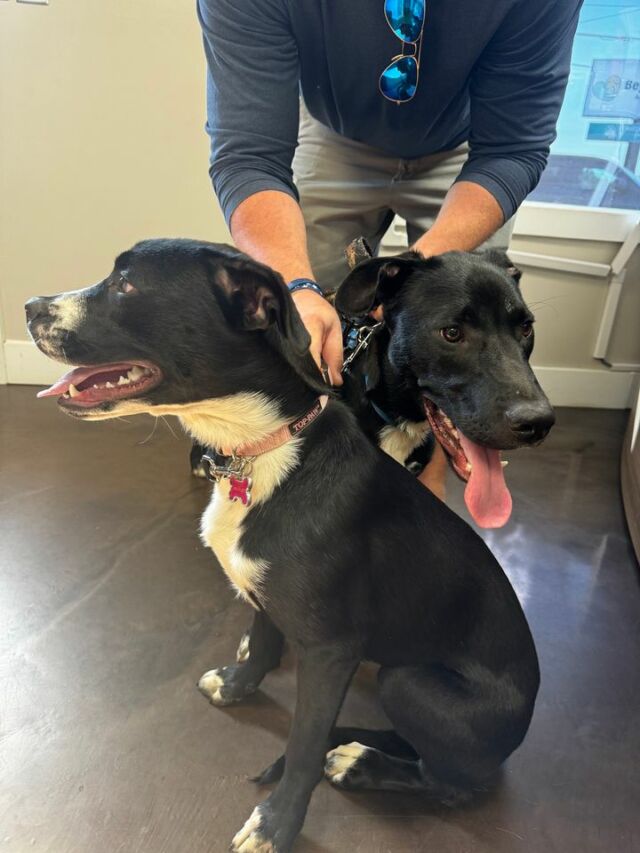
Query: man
[439,110]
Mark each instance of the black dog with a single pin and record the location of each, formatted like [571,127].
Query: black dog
[317,533]
[452,355]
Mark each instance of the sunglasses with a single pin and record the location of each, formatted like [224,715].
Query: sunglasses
[399,80]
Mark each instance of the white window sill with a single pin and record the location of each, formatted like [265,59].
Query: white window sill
[571,222]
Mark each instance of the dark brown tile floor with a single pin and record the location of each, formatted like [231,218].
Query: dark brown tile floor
[110,610]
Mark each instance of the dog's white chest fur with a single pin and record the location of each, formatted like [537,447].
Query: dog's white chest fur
[221,530]
[400,441]
[224,520]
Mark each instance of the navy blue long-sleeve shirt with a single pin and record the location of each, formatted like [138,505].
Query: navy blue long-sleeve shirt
[492,72]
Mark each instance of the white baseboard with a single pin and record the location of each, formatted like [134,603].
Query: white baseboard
[565,386]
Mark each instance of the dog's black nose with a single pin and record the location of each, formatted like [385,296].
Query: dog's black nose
[37,308]
[531,422]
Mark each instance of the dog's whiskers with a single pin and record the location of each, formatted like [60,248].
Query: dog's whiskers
[151,434]
[169,427]
[542,302]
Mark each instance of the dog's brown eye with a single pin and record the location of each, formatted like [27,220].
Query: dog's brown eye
[453,334]
[526,328]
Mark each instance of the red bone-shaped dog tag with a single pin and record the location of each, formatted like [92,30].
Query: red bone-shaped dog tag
[240,490]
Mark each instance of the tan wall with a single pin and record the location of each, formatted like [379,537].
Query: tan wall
[102,140]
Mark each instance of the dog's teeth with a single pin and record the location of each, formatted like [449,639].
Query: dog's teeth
[124,380]
[135,373]
[448,422]
[96,386]
[66,395]
[455,433]
[468,467]
[109,385]
[73,391]
[504,462]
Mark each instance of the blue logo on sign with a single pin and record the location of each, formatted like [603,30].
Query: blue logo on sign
[607,90]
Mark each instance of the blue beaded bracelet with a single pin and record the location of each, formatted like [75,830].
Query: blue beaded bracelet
[304,284]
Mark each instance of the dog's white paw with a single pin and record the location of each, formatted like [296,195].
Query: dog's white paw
[228,684]
[341,760]
[211,685]
[242,655]
[250,839]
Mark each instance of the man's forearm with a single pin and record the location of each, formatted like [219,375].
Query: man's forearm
[468,217]
[269,226]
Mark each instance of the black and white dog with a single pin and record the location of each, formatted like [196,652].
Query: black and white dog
[335,545]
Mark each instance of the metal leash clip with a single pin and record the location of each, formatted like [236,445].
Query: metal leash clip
[223,467]
[358,340]
[234,468]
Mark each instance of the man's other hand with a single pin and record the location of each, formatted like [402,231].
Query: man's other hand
[323,324]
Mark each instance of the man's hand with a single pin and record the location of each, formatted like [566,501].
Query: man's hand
[323,324]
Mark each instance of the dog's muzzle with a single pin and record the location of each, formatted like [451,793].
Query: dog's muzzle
[38,309]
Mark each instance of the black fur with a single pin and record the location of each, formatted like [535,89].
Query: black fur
[364,562]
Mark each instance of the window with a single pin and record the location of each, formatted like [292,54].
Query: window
[595,161]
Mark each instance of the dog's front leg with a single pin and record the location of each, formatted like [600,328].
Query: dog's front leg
[262,653]
[323,677]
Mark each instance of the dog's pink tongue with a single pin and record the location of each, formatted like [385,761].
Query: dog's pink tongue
[60,387]
[487,497]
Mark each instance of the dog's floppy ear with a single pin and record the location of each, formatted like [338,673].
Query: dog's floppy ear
[254,297]
[500,258]
[373,282]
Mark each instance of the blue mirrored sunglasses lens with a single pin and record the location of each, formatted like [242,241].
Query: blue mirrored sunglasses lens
[405,18]
[399,80]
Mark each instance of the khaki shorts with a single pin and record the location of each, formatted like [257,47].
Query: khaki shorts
[348,189]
